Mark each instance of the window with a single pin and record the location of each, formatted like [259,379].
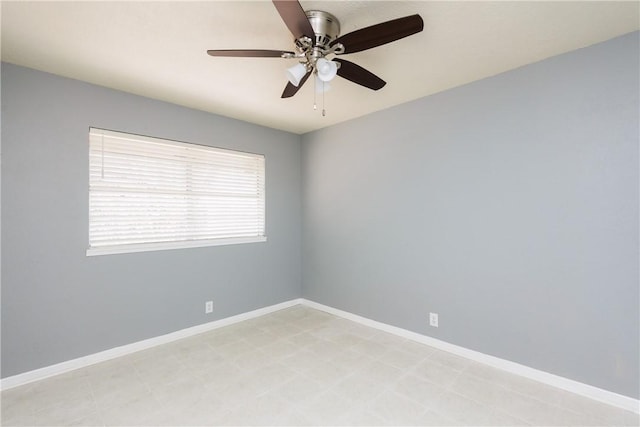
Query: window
[150,194]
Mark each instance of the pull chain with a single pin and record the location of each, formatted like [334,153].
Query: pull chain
[315,91]
[324,113]
[315,94]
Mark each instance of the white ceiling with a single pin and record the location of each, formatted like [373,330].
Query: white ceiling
[158,49]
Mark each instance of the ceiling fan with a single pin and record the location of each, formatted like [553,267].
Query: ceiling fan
[317,35]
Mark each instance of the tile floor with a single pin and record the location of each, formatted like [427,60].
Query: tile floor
[297,366]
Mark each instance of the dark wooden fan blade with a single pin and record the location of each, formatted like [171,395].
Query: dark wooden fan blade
[379,34]
[250,53]
[294,17]
[291,89]
[357,74]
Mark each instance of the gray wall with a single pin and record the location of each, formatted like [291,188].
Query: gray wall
[509,206]
[57,303]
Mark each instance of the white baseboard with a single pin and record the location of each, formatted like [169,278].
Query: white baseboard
[595,393]
[81,362]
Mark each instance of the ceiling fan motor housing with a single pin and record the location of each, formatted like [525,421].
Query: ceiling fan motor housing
[326,27]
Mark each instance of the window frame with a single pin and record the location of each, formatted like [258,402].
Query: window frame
[173,244]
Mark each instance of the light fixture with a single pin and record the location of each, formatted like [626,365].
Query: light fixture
[327,70]
[296,73]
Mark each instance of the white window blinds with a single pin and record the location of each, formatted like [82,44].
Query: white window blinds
[147,194]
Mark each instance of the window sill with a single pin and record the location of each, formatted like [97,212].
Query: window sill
[161,246]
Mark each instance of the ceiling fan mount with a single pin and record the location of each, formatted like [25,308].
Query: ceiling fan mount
[317,35]
[326,27]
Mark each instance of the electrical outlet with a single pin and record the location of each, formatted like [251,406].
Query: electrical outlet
[433,319]
[208,307]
